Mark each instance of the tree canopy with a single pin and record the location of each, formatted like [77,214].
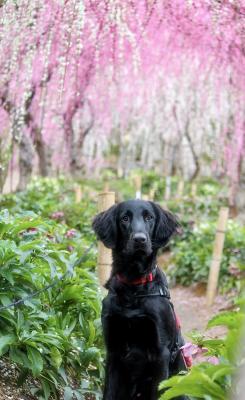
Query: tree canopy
[69,65]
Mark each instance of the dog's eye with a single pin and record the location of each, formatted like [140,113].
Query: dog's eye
[148,217]
[125,218]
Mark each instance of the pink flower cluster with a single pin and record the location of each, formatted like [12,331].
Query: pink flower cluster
[71,233]
[57,215]
[194,351]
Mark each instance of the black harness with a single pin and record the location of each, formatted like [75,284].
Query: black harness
[162,290]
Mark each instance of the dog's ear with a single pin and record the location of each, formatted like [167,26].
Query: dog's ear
[105,227]
[166,225]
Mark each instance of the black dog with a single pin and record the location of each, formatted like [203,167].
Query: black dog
[141,333]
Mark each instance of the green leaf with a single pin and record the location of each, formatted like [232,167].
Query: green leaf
[56,357]
[186,389]
[92,333]
[231,319]
[195,383]
[36,360]
[63,374]
[71,293]
[68,330]
[46,388]
[222,371]
[68,393]
[22,377]
[79,395]
[19,357]
[6,340]
[232,341]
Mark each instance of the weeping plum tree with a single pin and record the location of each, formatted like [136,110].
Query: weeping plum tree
[112,58]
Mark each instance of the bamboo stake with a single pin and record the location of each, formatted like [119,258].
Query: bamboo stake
[78,193]
[168,188]
[217,255]
[151,195]
[193,190]
[180,189]
[105,201]
[119,172]
[106,187]
[138,183]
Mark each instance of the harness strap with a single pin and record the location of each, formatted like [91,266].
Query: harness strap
[186,359]
[163,291]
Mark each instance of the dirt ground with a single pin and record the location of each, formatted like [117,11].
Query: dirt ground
[193,312]
[8,388]
[190,306]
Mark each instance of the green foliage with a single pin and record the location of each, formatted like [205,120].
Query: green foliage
[193,253]
[205,380]
[55,336]
[152,180]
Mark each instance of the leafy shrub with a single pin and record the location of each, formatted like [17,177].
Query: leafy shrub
[193,253]
[48,196]
[55,336]
[205,380]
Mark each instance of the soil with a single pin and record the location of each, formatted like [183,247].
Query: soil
[193,312]
[8,387]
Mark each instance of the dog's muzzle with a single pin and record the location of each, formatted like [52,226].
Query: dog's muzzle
[139,242]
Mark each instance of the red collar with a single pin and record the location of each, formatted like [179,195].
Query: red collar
[140,281]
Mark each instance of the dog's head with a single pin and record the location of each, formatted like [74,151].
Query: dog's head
[135,226]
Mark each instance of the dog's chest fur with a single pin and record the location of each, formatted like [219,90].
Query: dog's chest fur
[137,320]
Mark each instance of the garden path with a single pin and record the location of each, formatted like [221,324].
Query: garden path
[190,306]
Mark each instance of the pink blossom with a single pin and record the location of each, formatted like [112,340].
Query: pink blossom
[234,270]
[32,230]
[189,349]
[71,233]
[58,215]
[213,360]
[50,237]
[114,58]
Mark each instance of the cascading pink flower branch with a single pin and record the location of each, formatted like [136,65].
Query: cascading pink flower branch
[115,58]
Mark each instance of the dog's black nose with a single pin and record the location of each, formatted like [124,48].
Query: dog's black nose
[139,238]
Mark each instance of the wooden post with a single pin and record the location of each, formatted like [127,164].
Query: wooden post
[217,255]
[168,188]
[180,189]
[78,194]
[151,195]
[105,201]
[119,172]
[106,188]
[138,182]
[193,190]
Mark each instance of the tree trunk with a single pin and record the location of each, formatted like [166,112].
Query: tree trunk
[194,155]
[6,147]
[26,155]
[43,152]
[239,196]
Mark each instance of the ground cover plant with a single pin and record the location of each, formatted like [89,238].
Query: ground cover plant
[193,254]
[54,337]
[213,378]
